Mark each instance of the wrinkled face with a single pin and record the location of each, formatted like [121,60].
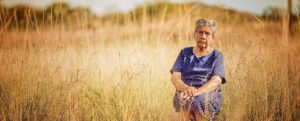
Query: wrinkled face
[203,37]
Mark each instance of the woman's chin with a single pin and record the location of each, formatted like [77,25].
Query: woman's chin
[202,48]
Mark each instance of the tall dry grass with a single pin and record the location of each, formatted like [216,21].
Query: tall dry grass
[121,71]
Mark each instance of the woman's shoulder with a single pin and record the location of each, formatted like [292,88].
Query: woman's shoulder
[190,48]
[187,50]
[217,53]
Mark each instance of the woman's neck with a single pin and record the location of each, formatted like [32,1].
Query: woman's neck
[201,51]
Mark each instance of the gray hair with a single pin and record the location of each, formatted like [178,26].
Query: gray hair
[212,24]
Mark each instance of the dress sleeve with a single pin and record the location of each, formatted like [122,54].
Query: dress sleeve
[218,69]
[178,63]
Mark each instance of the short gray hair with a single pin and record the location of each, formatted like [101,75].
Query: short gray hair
[212,24]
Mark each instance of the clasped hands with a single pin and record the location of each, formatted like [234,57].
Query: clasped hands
[188,93]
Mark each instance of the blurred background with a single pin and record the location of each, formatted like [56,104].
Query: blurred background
[110,60]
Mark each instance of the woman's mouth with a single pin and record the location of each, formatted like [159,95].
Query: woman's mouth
[202,40]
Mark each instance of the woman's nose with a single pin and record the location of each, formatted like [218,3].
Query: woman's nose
[203,35]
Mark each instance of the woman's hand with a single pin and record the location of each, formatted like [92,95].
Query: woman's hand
[187,93]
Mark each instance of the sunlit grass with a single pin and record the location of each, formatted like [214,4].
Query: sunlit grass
[121,71]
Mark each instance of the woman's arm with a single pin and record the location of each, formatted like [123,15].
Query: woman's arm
[177,82]
[211,85]
[186,92]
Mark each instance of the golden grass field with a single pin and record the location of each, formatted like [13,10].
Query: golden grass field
[121,71]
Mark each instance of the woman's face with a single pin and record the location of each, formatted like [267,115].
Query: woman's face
[203,37]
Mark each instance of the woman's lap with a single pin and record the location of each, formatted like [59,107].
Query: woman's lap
[199,103]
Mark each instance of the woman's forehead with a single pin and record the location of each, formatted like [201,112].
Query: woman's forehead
[204,28]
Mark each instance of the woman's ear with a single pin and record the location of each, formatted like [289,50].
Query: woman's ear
[214,28]
[214,24]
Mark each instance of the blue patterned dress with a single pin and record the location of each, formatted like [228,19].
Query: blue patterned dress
[196,72]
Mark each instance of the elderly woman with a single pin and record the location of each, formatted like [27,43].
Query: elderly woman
[197,74]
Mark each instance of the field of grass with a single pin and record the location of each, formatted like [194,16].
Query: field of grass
[119,70]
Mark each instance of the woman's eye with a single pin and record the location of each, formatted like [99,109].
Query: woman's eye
[202,32]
